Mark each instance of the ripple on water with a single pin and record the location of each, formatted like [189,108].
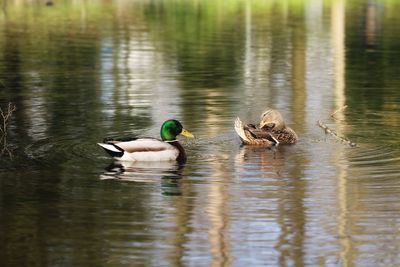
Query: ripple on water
[51,152]
[167,173]
[142,171]
[54,151]
[373,161]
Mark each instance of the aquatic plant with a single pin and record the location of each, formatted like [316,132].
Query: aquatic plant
[6,116]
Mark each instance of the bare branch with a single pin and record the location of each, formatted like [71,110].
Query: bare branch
[339,109]
[335,135]
[6,115]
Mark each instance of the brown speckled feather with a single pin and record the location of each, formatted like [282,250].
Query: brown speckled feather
[271,131]
[250,135]
[286,136]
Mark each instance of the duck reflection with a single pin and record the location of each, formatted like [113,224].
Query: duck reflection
[147,172]
[269,160]
[284,192]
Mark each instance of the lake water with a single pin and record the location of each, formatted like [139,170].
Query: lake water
[78,71]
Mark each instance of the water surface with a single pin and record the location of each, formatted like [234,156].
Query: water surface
[80,71]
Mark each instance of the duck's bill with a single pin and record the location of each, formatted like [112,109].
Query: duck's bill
[187,133]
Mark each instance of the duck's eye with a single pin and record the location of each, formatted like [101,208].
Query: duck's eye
[177,130]
[269,126]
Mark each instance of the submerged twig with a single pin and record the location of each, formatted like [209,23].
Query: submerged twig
[5,150]
[5,147]
[335,135]
[339,109]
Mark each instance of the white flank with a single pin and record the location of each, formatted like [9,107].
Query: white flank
[167,155]
[144,144]
[145,150]
[239,129]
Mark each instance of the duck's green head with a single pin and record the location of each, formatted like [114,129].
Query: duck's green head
[172,128]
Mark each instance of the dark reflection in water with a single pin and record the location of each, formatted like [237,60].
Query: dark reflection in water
[147,172]
[79,71]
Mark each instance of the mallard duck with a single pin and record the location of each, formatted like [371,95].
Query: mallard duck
[271,131]
[150,149]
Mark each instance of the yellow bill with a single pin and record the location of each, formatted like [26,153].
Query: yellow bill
[187,133]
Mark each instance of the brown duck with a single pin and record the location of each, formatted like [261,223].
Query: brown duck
[271,131]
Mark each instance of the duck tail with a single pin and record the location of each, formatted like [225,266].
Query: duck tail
[112,149]
[240,131]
